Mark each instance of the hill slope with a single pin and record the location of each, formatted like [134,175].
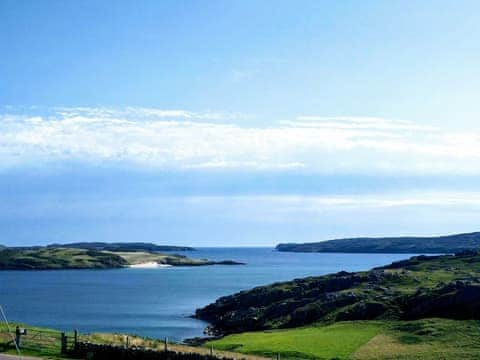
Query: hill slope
[405,245]
[420,287]
[58,258]
[51,258]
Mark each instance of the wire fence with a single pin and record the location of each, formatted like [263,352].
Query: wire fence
[34,341]
[54,344]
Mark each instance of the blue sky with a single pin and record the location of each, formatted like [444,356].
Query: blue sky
[237,123]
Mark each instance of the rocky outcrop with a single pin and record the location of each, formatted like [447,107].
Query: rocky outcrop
[402,290]
[457,300]
[283,304]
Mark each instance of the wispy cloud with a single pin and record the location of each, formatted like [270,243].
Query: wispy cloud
[182,139]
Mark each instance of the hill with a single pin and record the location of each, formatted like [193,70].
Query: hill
[420,287]
[54,258]
[58,258]
[130,246]
[448,244]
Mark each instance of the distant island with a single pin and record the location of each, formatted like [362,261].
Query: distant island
[420,287]
[448,244]
[88,256]
[131,246]
[116,246]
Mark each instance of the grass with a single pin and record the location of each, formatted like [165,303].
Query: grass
[364,340]
[402,290]
[424,339]
[358,340]
[39,342]
[51,258]
[57,258]
[139,257]
[45,343]
[338,340]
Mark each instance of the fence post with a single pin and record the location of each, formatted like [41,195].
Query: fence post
[166,344]
[18,337]
[211,350]
[63,343]
[75,339]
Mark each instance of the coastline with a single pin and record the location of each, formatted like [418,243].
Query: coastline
[149,265]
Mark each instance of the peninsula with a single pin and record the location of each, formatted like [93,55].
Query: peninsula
[446,286]
[52,257]
[448,244]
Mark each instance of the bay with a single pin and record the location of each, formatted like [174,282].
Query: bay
[158,302]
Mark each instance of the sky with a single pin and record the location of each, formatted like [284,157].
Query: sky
[237,123]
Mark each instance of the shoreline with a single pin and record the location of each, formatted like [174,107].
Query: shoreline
[149,265]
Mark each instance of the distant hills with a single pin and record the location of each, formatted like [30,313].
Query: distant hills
[104,246]
[402,245]
[131,246]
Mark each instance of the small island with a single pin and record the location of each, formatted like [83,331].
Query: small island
[448,244]
[87,256]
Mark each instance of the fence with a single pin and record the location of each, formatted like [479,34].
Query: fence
[51,343]
[112,352]
[33,341]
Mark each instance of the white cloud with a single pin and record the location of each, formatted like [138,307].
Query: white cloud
[322,202]
[182,139]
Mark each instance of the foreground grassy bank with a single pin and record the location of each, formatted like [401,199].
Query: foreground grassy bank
[45,343]
[366,340]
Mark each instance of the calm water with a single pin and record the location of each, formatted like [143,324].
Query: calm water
[157,302]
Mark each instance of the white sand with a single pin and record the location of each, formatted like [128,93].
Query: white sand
[149,265]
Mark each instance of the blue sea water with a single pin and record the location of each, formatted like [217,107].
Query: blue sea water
[158,302]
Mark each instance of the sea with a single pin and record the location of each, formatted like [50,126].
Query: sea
[159,302]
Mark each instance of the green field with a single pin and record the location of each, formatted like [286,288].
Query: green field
[421,339]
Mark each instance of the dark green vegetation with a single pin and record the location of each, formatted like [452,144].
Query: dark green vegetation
[449,244]
[133,246]
[420,287]
[419,339]
[58,258]
[51,258]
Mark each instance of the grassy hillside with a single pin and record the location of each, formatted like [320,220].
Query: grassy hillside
[138,257]
[45,343]
[442,286]
[49,258]
[41,342]
[406,245]
[366,340]
[58,258]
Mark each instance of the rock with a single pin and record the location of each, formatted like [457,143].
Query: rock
[362,311]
